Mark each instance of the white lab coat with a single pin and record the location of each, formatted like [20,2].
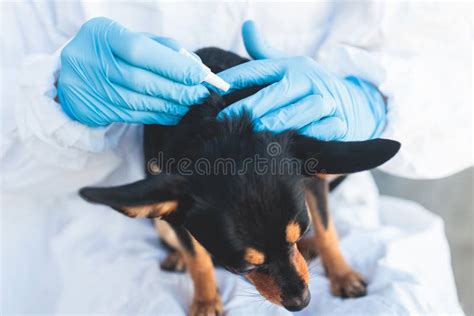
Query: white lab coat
[64,255]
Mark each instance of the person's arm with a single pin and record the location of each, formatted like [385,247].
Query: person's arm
[418,56]
[416,68]
[42,150]
[45,149]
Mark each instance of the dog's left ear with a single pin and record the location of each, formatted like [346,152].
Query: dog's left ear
[162,195]
[342,157]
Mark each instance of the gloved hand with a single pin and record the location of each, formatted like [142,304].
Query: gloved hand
[110,74]
[303,95]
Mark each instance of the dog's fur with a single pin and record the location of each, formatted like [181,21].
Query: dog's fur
[252,223]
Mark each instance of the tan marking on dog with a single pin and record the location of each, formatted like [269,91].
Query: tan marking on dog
[327,243]
[300,265]
[206,299]
[293,232]
[152,210]
[253,256]
[344,281]
[266,285]
[201,269]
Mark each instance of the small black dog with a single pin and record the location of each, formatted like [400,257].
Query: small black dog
[224,203]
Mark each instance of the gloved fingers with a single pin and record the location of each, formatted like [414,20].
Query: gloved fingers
[133,101]
[163,40]
[171,43]
[148,83]
[141,51]
[326,129]
[270,98]
[253,73]
[299,114]
[106,115]
[256,45]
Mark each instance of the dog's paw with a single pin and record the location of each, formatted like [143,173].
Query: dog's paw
[349,284]
[207,308]
[174,262]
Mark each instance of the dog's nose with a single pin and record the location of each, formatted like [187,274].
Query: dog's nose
[297,303]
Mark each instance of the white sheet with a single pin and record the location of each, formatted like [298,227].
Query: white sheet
[97,261]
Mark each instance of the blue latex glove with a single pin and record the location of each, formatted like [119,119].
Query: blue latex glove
[303,95]
[110,74]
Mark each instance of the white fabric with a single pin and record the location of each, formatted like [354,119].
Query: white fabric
[60,254]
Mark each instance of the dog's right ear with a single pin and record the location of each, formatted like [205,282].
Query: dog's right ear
[159,196]
[336,157]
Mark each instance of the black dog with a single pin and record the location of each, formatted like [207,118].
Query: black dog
[215,197]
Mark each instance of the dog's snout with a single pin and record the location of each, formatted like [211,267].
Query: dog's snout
[297,303]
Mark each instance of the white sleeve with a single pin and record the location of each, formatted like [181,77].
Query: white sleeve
[42,149]
[419,56]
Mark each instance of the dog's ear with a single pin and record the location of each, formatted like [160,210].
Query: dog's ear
[162,195]
[320,157]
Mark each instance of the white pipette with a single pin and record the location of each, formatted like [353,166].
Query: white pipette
[211,78]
